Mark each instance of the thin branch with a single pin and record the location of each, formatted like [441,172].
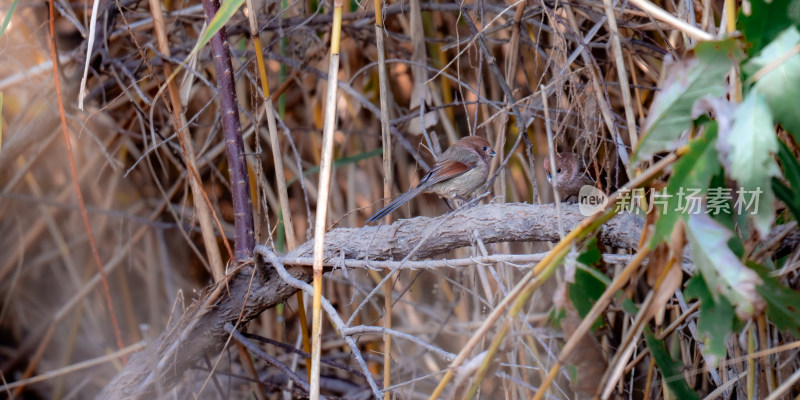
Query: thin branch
[266,357]
[324,303]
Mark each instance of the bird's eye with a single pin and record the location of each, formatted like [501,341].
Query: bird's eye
[558,170]
[484,148]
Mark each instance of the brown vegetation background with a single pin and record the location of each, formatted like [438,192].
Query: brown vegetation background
[134,180]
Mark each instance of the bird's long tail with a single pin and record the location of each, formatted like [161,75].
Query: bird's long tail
[403,199]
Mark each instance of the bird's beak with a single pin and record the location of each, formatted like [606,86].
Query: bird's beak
[493,153]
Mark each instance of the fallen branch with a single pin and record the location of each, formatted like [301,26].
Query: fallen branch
[201,330]
[494,223]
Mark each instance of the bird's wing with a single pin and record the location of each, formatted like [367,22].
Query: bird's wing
[439,173]
[444,171]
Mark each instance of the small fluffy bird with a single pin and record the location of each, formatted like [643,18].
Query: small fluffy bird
[571,178]
[460,170]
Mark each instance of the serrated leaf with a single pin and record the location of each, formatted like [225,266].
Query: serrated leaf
[783,304]
[686,81]
[715,321]
[746,152]
[723,272]
[692,171]
[781,85]
[670,369]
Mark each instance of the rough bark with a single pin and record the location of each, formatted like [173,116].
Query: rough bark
[493,223]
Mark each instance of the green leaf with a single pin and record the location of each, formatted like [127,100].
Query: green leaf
[791,171]
[583,294]
[670,369]
[717,184]
[223,15]
[766,19]
[280,241]
[591,254]
[686,81]
[629,306]
[556,315]
[723,272]
[342,162]
[791,168]
[7,18]
[788,196]
[783,304]
[715,321]
[573,372]
[746,152]
[693,171]
[781,85]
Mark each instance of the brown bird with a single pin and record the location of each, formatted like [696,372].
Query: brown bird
[569,168]
[460,170]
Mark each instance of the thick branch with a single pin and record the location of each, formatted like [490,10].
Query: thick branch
[493,223]
[201,330]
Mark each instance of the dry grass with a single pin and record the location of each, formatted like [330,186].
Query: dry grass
[143,216]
